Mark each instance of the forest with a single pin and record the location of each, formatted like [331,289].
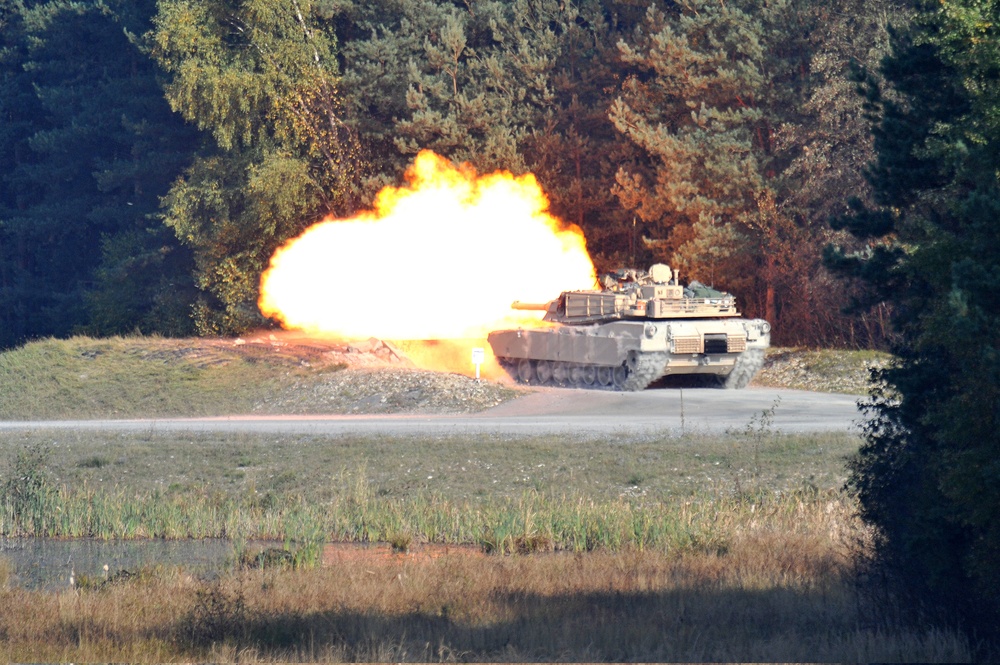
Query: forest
[153,154]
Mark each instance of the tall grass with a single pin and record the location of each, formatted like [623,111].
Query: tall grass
[52,489]
[736,571]
[531,521]
[767,598]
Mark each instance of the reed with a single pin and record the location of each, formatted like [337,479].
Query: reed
[530,521]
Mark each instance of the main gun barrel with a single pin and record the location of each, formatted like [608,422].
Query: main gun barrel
[532,306]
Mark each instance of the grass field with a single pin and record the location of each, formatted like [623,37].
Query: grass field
[456,490]
[120,377]
[454,468]
[733,548]
[736,547]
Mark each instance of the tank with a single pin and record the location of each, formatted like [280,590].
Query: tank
[640,327]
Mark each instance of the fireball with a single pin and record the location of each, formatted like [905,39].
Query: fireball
[439,258]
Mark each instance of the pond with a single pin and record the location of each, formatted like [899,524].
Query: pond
[47,563]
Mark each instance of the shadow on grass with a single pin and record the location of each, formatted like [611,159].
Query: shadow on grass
[775,625]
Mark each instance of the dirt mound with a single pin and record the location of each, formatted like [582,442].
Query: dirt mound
[375,376]
[299,349]
[386,390]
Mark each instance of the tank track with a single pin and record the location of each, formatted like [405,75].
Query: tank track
[643,369]
[636,375]
[648,367]
[747,366]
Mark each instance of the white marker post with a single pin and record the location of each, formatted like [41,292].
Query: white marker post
[478,356]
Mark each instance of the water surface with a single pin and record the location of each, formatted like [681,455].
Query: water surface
[47,563]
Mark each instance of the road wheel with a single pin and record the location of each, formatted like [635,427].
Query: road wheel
[543,371]
[619,376]
[525,371]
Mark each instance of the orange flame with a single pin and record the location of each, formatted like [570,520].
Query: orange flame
[441,258]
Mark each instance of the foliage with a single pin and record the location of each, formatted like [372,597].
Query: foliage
[927,475]
[716,136]
[482,83]
[736,160]
[503,85]
[26,490]
[262,78]
[685,105]
[579,150]
[88,146]
[218,614]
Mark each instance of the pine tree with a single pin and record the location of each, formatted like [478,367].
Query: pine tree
[91,147]
[830,150]
[520,86]
[736,162]
[926,477]
[577,152]
[692,103]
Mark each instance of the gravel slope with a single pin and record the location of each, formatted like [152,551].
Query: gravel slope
[388,390]
[827,371]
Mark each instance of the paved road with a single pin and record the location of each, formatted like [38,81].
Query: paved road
[548,411]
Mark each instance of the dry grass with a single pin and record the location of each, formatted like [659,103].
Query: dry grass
[782,592]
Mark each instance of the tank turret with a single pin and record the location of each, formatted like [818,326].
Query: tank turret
[639,327]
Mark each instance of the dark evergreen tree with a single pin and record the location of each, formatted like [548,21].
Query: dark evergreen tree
[20,116]
[87,168]
[927,475]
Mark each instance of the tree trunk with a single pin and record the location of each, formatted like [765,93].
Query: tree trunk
[769,306]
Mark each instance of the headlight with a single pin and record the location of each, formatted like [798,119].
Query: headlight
[650,330]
